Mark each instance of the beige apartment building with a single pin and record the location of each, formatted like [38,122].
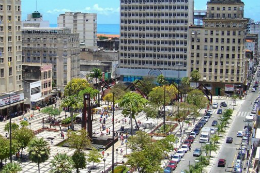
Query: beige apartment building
[57,46]
[154,38]
[83,23]
[11,90]
[216,49]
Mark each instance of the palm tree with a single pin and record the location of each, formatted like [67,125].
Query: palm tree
[161,80]
[39,151]
[61,163]
[12,168]
[97,74]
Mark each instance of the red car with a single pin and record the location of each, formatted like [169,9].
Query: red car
[191,139]
[221,163]
[187,142]
[172,164]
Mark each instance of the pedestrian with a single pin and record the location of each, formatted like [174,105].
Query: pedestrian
[121,151]
[125,120]
[100,120]
[109,131]
[62,135]
[6,135]
[51,141]
[103,153]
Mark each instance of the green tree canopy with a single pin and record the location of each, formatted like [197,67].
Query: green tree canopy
[4,149]
[39,151]
[14,126]
[94,156]
[195,75]
[146,85]
[96,73]
[61,163]
[75,86]
[197,98]
[79,160]
[51,111]
[78,140]
[139,141]
[161,80]
[23,137]
[11,168]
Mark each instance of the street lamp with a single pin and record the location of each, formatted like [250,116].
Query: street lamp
[10,125]
[113,122]
[104,164]
[126,146]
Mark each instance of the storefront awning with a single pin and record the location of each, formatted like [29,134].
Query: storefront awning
[13,104]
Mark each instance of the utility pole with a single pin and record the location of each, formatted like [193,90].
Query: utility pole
[113,146]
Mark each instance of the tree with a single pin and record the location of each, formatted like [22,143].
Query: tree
[195,76]
[161,80]
[215,138]
[108,97]
[94,156]
[118,89]
[78,140]
[24,123]
[132,103]
[61,163]
[139,141]
[23,137]
[14,126]
[185,85]
[79,160]
[97,74]
[75,86]
[197,98]
[4,149]
[12,168]
[51,111]
[146,84]
[39,151]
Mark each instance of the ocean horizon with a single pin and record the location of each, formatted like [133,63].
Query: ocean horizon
[111,29]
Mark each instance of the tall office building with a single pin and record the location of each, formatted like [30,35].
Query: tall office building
[11,91]
[216,49]
[254,28]
[57,46]
[83,23]
[153,38]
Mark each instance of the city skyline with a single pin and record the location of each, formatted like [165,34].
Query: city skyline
[105,9]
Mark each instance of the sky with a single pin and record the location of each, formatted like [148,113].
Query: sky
[107,10]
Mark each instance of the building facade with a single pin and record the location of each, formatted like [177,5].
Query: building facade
[254,28]
[216,49]
[153,38]
[57,46]
[35,20]
[83,23]
[11,90]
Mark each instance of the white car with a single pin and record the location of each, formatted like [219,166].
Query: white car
[206,118]
[215,105]
[239,134]
[253,89]
[193,134]
[180,153]
[185,148]
[210,111]
[176,158]
[213,130]
[253,111]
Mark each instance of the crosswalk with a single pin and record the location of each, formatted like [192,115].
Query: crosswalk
[243,114]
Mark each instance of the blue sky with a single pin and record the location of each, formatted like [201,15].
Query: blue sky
[107,10]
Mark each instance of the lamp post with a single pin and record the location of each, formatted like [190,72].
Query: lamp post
[10,126]
[126,146]
[113,146]
[43,123]
[104,164]
[178,87]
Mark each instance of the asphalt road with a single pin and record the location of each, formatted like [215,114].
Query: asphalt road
[229,151]
[188,157]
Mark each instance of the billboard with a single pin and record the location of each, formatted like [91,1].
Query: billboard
[35,91]
[13,99]
[229,87]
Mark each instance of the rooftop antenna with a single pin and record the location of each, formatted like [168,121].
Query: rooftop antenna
[36,5]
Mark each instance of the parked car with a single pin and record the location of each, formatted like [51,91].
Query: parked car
[180,153]
[219,111]
[253,111]
[208,114]
[206,118]
[197,130]
[172,164]
[193,134]
[224,104]
[176,158]
[210,111]
[215,105]
[197,152]
[191,139]
[229,140]
[241,155]
[168,169]
[187,142]
[214,123]
[221,163]
[253,89]
[203,122]
[239,134]
[185,147]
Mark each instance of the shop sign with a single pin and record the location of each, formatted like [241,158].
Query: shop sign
[13,99]
[229,87]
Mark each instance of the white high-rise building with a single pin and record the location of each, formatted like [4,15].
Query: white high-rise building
[35,20]
[153,38]
[83,23]
[11,90]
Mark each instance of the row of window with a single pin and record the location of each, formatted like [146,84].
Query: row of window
[154,14]
[224,8]
[154,49]
[2,72]
[233,56]
[9,8]
[154,63]
[155,28]
[154,42]
[229,15]
[217,48]
[214,63]
[143,1]
[177,21]
[158,56]
[154,7]
[129,35]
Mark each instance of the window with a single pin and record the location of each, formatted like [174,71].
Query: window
[2,73]
[10,71]
[223,8]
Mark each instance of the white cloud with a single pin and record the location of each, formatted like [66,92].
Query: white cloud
[58,11]
[95,9]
